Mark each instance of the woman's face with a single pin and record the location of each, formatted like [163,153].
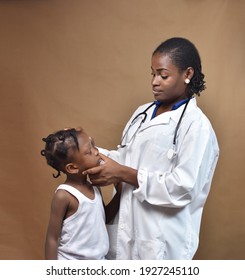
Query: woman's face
[168,82]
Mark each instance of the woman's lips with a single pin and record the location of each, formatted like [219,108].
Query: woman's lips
[155,92]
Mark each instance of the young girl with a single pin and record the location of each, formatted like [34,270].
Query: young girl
[76,227]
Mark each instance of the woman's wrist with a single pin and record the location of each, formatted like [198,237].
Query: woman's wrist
[129,175]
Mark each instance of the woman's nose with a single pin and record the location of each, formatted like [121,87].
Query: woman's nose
[155,80]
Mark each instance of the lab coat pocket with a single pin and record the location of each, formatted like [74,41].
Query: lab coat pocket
[151,249]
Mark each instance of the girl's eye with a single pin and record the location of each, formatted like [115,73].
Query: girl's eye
[164,77]
[92,142]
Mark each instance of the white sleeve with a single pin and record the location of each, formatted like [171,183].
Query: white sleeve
[191,175]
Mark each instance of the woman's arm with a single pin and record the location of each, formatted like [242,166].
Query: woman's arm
[191,175]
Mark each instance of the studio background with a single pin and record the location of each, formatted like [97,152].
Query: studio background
[87,63]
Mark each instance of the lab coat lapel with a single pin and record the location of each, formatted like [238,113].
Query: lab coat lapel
[159,120]
[164,118]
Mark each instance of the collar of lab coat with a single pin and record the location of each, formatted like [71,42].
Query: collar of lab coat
[165,117]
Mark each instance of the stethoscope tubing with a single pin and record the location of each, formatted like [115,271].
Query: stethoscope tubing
[178,124]
[132,122]
[143,113]
[144,118]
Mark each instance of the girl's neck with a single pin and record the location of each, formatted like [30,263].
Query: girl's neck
[78,182]
[83,186]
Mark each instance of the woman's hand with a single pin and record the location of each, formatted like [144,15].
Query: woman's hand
[111,172]
[106,174]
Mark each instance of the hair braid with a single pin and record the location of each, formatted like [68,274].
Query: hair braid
[57,146]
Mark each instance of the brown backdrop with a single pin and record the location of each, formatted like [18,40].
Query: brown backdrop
[69,63]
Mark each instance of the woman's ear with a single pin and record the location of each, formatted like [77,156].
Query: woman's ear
[72,168]
[189,73]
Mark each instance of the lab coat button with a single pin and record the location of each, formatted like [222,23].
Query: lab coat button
[121,226]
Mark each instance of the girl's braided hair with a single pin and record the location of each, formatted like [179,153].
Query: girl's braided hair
[57,146]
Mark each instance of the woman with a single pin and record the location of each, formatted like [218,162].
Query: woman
[166,161]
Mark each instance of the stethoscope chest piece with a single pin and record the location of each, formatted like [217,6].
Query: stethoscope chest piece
[171,154]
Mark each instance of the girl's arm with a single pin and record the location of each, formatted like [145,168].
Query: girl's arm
[59,207]
[112,207]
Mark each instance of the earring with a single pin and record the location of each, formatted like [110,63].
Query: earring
[187,81]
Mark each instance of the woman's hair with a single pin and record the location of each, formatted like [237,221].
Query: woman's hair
[184,54]
[57,146]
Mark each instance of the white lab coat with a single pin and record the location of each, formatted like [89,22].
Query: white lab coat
[161,219]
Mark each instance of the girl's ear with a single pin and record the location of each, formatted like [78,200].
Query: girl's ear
[71,168]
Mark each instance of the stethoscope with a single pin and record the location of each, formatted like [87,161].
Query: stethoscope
[172,151]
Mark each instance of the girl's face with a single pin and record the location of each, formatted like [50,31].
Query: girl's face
[168,82]
[88,154]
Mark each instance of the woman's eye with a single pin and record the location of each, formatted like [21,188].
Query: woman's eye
[164,77]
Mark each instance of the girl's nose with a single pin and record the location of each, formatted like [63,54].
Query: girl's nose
[96,151]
